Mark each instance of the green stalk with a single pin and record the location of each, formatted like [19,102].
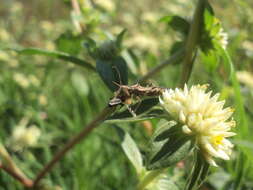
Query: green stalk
[192,42]
[149,178]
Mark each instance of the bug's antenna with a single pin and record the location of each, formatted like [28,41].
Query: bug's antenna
[114,67]
[117,84]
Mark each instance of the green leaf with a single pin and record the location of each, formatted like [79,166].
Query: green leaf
[177,23]
[133,119]
[163,183]
[113,72]
[209,18]
[80,83]
[69,43]
[199,173]
[138,108]
[209,30]
[119,38]
[55,54]
[177,46]
[219,179]
[168,146]
[226,60]
[132,152]
[211,60]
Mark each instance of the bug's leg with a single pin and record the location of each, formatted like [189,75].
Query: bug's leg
[131,111]
[138,104]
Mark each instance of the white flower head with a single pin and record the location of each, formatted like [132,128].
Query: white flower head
[203,116]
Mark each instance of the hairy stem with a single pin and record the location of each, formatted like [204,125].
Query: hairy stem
[175,58]
[192,42]
[107,111]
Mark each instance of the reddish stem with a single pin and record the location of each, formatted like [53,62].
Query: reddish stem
[25,181]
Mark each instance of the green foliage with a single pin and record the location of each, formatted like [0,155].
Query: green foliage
[199,173]
[177,23]
[168,146]
[60,99]
[56,54]
[111,67]
[113,72]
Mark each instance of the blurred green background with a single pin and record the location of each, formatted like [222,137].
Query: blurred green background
[57,98]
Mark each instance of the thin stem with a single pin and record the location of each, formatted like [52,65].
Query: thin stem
[76,10]
[75,6]
[149,178]
[21,178]
[107,111]
[175,58]
[11,168]
[192,42]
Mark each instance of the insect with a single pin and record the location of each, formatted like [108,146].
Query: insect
[125,94]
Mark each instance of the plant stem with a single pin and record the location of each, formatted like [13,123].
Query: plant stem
[76,10]
[21,178]
[175,58]
[192,42]
[11,168]
[149,178]
[107,111]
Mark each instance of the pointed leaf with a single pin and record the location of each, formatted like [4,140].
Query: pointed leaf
[120,37]
[199,173]
[56,54]
[131,150]
[168,146]
[177,23]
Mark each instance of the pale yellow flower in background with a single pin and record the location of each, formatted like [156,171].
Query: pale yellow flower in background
[144,42]
[107,4]
[151,17]
[4,35]
[43,100]
[24,136]
[21,79]
[222,38]
[4,56]
[245,77]
[47,25]
[203,117]
[34,80]
[16,7]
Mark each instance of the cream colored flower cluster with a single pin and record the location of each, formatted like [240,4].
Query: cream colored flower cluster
[24,136]
[203,117]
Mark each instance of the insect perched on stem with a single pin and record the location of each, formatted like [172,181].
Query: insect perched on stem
[125,93]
